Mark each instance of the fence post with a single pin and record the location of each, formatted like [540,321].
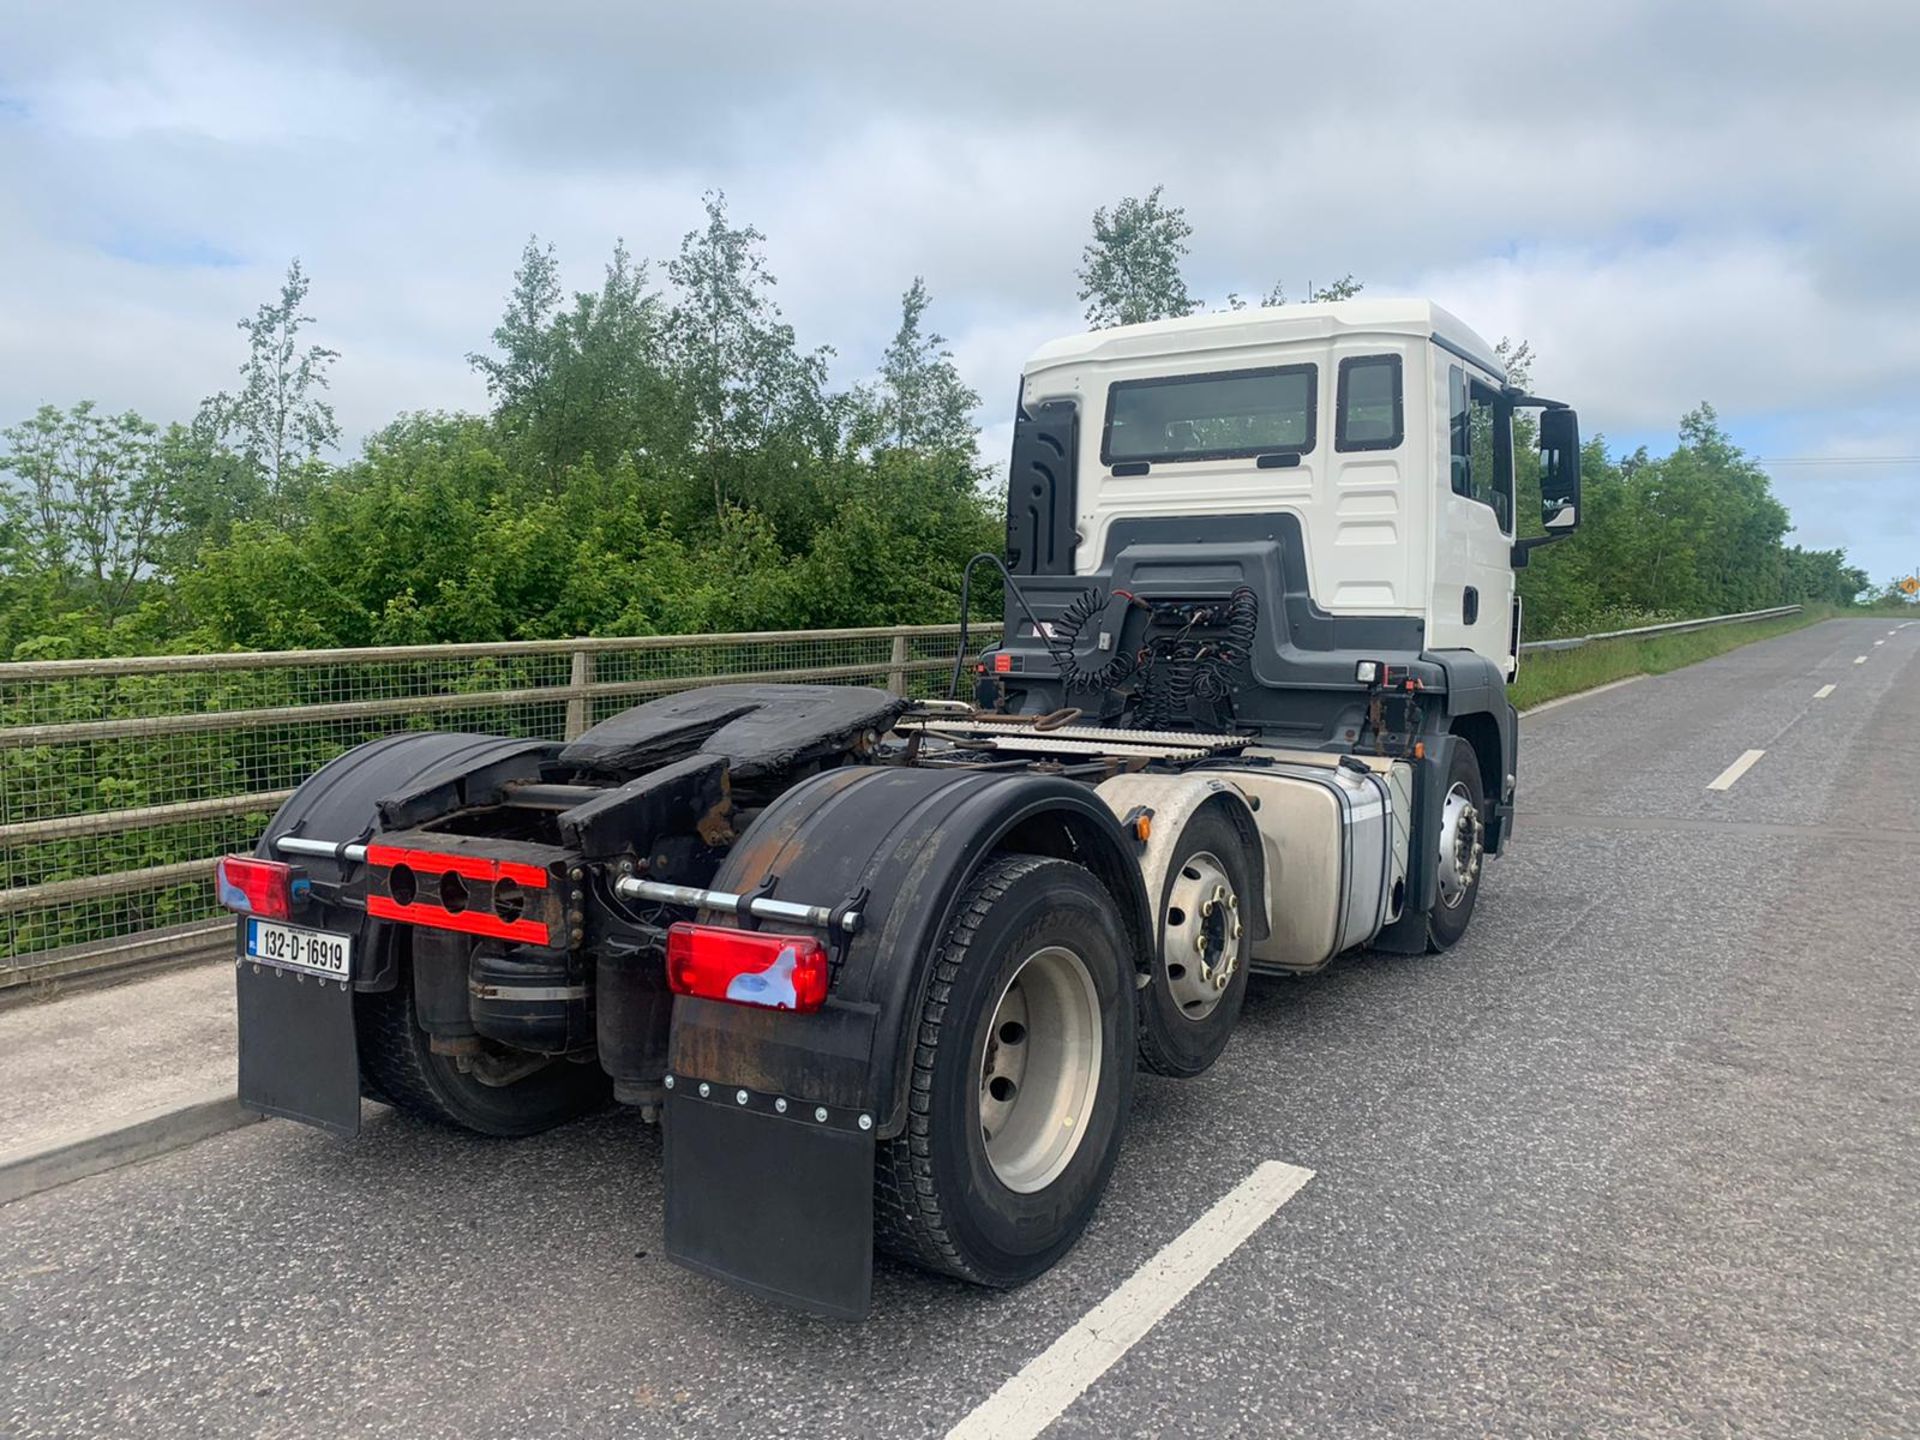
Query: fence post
[579,706]
[897,676]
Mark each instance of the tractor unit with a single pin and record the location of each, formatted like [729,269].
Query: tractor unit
[884,969]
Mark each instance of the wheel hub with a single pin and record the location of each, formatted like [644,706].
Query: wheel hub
[1039,1069]
[1201,950]
[1462,842]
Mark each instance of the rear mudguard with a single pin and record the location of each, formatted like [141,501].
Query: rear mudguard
[299,1056]
[774,1116]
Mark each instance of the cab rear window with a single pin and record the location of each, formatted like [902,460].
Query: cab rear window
[1225,415]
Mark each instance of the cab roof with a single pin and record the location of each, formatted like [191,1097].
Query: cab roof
[1276,325]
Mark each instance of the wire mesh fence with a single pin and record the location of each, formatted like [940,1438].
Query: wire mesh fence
[121,781]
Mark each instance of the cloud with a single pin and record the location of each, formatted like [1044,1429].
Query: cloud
[1713,201]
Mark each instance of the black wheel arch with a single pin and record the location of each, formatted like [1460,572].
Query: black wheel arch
[906,841]
[1479,713]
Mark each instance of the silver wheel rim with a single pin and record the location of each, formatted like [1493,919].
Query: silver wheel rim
[1040,1069]
[1200,948]
[1461,844]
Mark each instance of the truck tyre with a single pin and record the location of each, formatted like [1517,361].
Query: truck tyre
[1459,862]
[1022,1078]
[1199,977]
[397,1066]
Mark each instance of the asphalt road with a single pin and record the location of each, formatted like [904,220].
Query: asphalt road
[1642,1155]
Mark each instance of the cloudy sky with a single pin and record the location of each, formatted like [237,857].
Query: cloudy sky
[1672,201]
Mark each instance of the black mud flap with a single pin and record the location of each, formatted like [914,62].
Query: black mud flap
[778,1204]
[299,1058]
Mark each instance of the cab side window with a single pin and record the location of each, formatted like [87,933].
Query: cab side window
[1459,447]
[1480,445]
[1371,414]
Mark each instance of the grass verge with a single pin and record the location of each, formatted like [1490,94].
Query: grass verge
[1551,674]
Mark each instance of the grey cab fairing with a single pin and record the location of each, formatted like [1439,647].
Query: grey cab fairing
[1302,665]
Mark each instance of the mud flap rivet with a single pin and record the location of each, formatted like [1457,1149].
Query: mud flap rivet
[780,1105]
[820,1114]
[668,1082]
[740,1097]
[705,1090]
[866,1122]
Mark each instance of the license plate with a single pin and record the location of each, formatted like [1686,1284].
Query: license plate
[315,951]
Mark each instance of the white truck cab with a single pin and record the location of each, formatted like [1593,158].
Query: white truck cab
[1297,522]
[1383,427]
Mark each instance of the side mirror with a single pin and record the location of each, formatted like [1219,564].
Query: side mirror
[1559,471]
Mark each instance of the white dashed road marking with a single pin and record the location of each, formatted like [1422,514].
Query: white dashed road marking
[1724,780]
[1859,659]
[1879,642]
[1055,1378]
[1823,692]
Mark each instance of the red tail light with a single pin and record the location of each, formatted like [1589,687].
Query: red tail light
[267,888]
[748,967]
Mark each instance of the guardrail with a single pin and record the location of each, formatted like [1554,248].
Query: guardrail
[121,781]
[1673,627]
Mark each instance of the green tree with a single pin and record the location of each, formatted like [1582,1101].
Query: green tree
[568,382]
[1130,270]
[744,379]
[922,403]
[520,377]
[206,490]
[89,510]
[279,419]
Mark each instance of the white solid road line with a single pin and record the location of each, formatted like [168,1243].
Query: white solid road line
[1724,780]
[1055,1378]
[1823,692]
